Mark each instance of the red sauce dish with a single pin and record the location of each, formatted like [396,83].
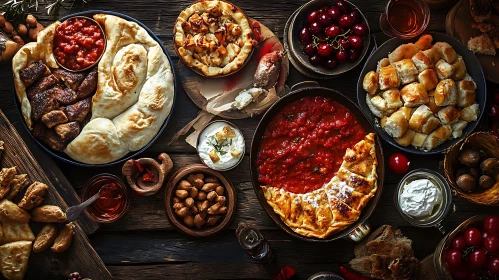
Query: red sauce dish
[114,201]
[303,146]
[79,43]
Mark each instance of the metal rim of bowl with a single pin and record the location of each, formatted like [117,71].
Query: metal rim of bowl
[242,153]
[446,194]
[318,69]
[101,55]
[64,157]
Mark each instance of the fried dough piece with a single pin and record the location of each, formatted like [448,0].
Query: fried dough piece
[63,240]
[13,232]
[48,214]
[33,196]
[45,238]
[18,184]
[6,176]
[9,210]
[14,258]
[482,45]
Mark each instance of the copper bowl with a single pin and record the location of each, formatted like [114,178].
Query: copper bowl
[480,141]
[177,222]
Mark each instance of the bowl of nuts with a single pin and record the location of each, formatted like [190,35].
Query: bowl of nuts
[199,201]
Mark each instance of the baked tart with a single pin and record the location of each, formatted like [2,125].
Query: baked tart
[213,37]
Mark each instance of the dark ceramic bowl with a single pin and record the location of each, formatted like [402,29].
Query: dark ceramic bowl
[474,70]
[296,48]
[64,157]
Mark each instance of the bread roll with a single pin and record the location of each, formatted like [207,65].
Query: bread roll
[418,139]
[370,83]
[433,55]
[431,104]
[422,120]
[448,115]
[446,51]
[379,103]
[428,78]
[437,137]
[446,93]
[459,69]
[444,69]
[403,52]
[388,78]
[406,71]
[422,61]
[392,98]
[382,63]
[373,109]
[406,139]
[407,111]
[470,113]
[458,127]
[465,93]
[424,42]
[396,124]
[414,95]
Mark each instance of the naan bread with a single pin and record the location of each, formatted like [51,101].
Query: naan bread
[338,203]
[13,231]
[14,258]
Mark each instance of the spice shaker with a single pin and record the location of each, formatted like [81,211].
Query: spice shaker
[254,243]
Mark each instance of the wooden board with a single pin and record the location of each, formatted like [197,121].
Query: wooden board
[81,256]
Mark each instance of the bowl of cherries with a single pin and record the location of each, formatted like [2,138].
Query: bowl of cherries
[329,37]
[471,251]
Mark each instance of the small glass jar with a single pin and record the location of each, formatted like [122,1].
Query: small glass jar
[114,199]
[405,19]
[442,209]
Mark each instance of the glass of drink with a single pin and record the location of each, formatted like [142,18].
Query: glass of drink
[405,19]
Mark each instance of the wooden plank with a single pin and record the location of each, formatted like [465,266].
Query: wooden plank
[81,256]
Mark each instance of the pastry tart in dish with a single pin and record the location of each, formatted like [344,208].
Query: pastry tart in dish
[213,37]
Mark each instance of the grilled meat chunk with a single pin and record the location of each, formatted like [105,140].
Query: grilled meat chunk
[48,136]
[42,85]
[33,72]
[72,80]
[65,96]
[79,110]
[43,103]
[68,131]
[54,118]
[89,85]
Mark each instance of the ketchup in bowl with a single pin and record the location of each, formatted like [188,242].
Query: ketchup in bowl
[79,43]
[113,202]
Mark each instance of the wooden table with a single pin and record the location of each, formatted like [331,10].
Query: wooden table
[142,245]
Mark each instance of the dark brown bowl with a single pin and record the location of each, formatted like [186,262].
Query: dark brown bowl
[257,139]
[177,223]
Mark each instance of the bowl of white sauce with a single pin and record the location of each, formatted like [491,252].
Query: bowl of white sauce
[424,198]
[221,145]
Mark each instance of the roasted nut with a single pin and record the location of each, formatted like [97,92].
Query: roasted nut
[201,196]
[490,167]
[211,220]
[211,179]
[8,28]
[33,31]
[221,200]
[176,200]
[11,211]
[194,210]
[45,237]
[469,157]
[198,221]
[48,214]
[189,221]
[18,40]
[202,206]
[183,212]
[196,180]
[222,210]
[22,30]
[189,202]
[181,193]
[220,190]
[209,187]
[486,182]
[466,183]
[31,21]
[184,185]
[178,205]
[211,195]
[33,196]
[475,172]
[214,209]
[461,171]
[193,192]
[63,240]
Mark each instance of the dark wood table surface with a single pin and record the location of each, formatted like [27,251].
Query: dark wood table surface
[143,245]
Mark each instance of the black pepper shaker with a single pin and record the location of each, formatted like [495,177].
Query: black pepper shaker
[254,243]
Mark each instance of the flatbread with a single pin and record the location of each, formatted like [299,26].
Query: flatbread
[14,258]
[13,231]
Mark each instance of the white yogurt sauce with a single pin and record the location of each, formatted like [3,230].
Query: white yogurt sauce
[227,148]
[419,198]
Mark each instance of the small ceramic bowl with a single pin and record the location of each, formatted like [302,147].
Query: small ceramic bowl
[434,220]
[200,138]
[296,48]
[103,50]
[177,222]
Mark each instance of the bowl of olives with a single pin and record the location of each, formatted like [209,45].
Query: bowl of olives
[329,37]
[472,168]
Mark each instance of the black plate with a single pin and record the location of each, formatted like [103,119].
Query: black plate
[474,70]
[62,156]
[257,138]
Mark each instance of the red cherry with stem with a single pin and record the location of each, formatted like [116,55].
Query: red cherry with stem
[345,21]
[458,243]
[312,17]
[324,49]
[305,36]
[478,259]
[315,28]
[360,29]
[330,63]
[344,43]
[315,59]
[355,41]
[343,6]
[494,266]
[353,54]
[491,244]
[342,56]
[309,49]
[334,13]
[325,19]
[332,31]
[355,16]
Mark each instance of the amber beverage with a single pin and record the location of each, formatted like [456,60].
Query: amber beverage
[405,18]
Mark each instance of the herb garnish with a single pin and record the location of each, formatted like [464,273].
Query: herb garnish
[218,146]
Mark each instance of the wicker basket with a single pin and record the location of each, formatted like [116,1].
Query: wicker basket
[481,141]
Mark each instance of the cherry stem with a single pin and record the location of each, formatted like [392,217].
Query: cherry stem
[316,40]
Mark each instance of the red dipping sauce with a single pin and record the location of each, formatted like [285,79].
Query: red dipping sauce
[303,146]
[78,43]
[113,202]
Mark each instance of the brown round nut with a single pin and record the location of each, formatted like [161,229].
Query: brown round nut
[183,212]
[202,206]
[189,202]
[18,40]
[196,180]
[22,30]
[201,196]
[176,200]
[181,193]
[469,157]
[193,192]
[220,200]
[8,28]
[178,205]
[220,190]
[211,195]
[33,31]
[198,221]
[490,167]
[475,172]
[31,21]
[211,220]
[486,182]
[466,183]
[184,185]
[189,221]
[194,210]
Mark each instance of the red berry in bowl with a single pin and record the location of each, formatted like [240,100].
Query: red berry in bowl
[309,49]
[315,59]
[355,41]
[315,28]
[305,36]
[343,6]
[344,43]
[353,54]
[473,237]
[491,225]
[332,31]
[355,16]
[345,21]
[494,266]
[458,243]
[478,259]
[312,17]
[491,244]
[342,56]
[325,19]
[324,50]
[473,276]
[330,63]
[360,29]
[334,13]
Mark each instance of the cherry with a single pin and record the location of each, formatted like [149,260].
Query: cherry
[309,49]
[332,31]
[330,63]
[342,56]
[305,36]
[324,8]
[345,21]
[315,59]
[313,16]
[325,19]
[355,16]
[360,29]
[344,43]
[343,6]
[324,49]
[315,28]
[353,54]
[334,13]
[355,41]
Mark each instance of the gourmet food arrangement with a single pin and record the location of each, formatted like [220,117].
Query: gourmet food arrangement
[422,94]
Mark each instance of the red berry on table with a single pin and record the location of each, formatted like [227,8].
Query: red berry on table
[345,21]
[478,259]
[334,13]
[491,225]
[355,41]
[360,29]
[330,63]
[494,266]
[309,49]
[324,49]
[353,54]
[312,17]
[305,36]
[344,43]
[355,16]
[399,163]
[454,258]
[458,243]
[473,237]
[342,56]
[332,31]
[343,6]
[315,28]
[325,19]
[315,59]
[491,244]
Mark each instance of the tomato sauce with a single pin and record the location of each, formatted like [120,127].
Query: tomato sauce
[303,146]
[78,43]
